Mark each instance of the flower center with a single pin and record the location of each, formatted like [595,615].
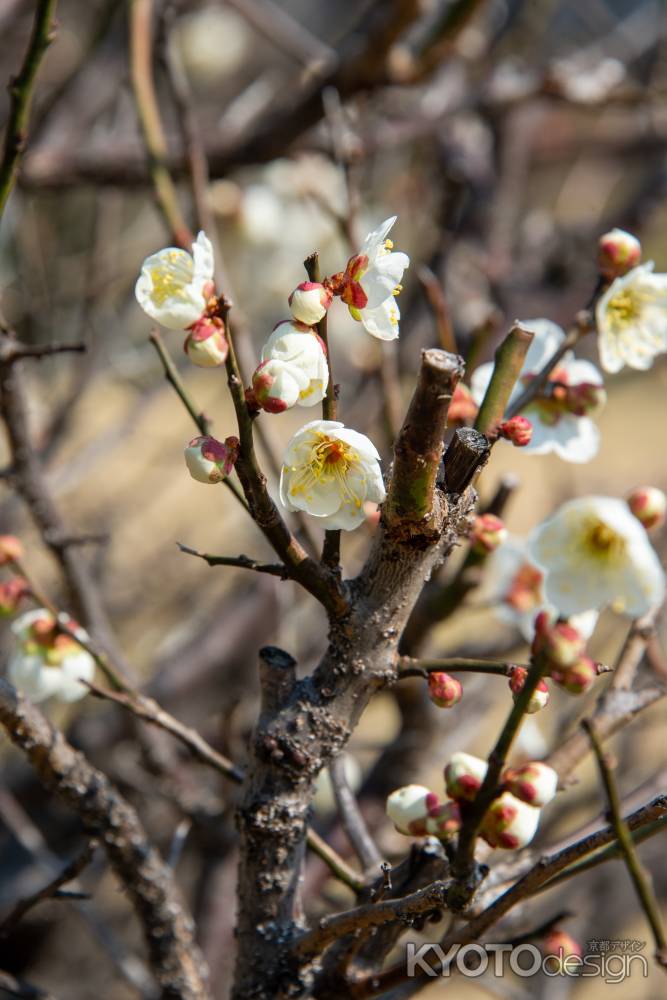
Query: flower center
[602,542]
[170,276]
[328,464]
[624,307]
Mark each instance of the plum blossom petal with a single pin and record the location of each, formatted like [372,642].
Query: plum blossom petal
[172,284]
[631,320]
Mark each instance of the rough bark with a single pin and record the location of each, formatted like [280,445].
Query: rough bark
[177,963]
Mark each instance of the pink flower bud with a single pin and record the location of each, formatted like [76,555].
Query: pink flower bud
[309,302]
[408,808]
[518,430]
[618,253]
[578,677]
[649,505]
[488,532]
[584,400]
[534,783]
[464,775]
[11,593]
[560,946]
[276,385]
[462,407]
[443,690]
[209,460]
[540,695]
[10,549]
[206,344]
[510,823]
[444,821]
[558,642]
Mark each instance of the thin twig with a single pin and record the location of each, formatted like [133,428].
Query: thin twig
[244,562]
[12,351]
[141,59]
[201,421]
[21,89]
[640,878]
[351,818]
[49,891]
[409,667]
[440,309]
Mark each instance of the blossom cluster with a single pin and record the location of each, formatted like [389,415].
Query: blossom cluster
[511,820]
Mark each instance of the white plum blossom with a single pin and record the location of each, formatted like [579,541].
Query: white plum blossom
[48,663]
[371,282]
[298,346]
[631,319]
[510,823]
[330,471]
[408,808]
[174,285]
[558,415]
[209,460]
[514,584]
[594,552]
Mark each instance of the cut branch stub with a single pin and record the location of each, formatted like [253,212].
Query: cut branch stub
[418,448]
[508,362]
[466,453]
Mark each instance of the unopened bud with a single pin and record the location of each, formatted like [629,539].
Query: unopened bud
[534,783]
[464,775]
[309,302]
[540,695]
[618,253]
[559,946]
[11,593]
[462,407]
[209,460]
[206,344]
[558,642]
[408,808]
[276,385]
[578,677]
[509,822]
[488,532]
[518,430]
[10,549]
[443,690]
[585,399]
[444,821]
[649,505]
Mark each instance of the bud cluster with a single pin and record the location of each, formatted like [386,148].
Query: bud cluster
[563,649]
[487,533]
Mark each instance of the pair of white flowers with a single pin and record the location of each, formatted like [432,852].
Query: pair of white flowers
[591,554]
[46,662]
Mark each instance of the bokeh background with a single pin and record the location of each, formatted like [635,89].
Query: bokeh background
[506,136]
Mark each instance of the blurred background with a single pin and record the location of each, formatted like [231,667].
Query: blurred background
[506,136]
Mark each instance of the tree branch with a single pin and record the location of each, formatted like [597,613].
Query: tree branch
[244,562]
[175,958]
[508,362]
[640,878]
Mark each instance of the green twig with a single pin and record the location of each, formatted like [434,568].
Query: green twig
[21,90]
[509,360]
[463,868]
[640,878]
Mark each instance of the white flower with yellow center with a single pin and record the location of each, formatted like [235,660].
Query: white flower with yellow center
[594,552]
[631,319]
[330,471]
[559,414]
[174,285]
[514,585]
[299,348]
[48,663]
[372,280]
